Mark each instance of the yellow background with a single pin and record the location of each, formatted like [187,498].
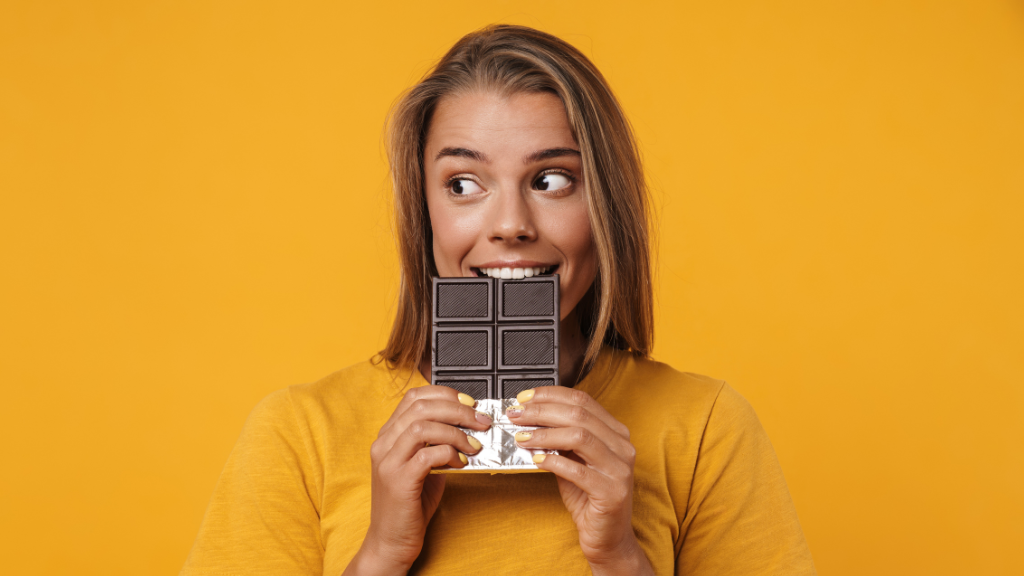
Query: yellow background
[194,214]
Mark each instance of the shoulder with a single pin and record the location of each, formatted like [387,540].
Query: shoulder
[645,388]
[356,395]
[363,379]
[654,399]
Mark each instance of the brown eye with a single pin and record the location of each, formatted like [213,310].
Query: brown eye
[551,182]
[465,187]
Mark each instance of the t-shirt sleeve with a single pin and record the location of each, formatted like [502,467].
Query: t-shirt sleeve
[740,519]
[263,517]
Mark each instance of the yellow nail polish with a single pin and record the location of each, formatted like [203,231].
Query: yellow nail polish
[474,443]
[524,396]
[514,410]
[538,458]
[466,399]
[523,436]
[463,458]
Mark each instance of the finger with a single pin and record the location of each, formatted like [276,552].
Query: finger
[554,415]
[431,457]
[425,393]
[423,432]
[587,479]
[443,411]
[581,442]
[572,397]
[437,410]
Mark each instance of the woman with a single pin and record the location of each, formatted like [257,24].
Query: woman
[512,154]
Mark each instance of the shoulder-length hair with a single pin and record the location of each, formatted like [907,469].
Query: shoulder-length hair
[617,309]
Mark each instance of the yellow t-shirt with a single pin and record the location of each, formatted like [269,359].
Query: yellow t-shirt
[709,496]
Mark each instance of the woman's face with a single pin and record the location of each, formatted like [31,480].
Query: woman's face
[505,191]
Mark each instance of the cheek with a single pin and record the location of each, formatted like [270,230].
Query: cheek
[569,230]
[454,235]
[572,226]
[578,241]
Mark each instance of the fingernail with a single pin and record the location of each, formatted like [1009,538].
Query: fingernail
[466,460]
[474,443]
[523,436]
[466,399]
[514,411]
[538,458]
[484,418]
[525,396]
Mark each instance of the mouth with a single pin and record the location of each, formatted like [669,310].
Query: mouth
[515,273]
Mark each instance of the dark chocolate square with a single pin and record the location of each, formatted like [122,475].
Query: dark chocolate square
[493,338]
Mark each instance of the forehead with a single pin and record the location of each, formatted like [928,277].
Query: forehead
[489,121]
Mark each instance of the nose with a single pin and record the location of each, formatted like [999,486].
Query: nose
[512,219]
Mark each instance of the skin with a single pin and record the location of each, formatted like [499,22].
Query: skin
[505,187]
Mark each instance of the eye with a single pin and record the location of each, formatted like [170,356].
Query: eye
[551,182]
[464,187]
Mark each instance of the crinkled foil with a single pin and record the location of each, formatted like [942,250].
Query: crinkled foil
[500,453]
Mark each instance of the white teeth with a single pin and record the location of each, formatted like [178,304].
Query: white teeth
[516,273]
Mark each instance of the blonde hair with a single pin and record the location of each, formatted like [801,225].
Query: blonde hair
[618,308]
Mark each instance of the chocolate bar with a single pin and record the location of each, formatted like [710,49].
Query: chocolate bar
[493,338]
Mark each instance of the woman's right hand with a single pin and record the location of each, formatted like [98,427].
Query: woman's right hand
[420,435]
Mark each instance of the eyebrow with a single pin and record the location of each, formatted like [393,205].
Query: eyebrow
[481,157]
[550,153]
[462,153]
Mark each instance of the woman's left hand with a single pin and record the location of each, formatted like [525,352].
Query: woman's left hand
[594,470]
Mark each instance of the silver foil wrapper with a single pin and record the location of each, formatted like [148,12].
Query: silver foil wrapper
[500,453]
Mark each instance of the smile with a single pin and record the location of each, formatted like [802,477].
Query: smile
[515,272]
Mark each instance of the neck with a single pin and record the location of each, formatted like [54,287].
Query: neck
[571,346]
